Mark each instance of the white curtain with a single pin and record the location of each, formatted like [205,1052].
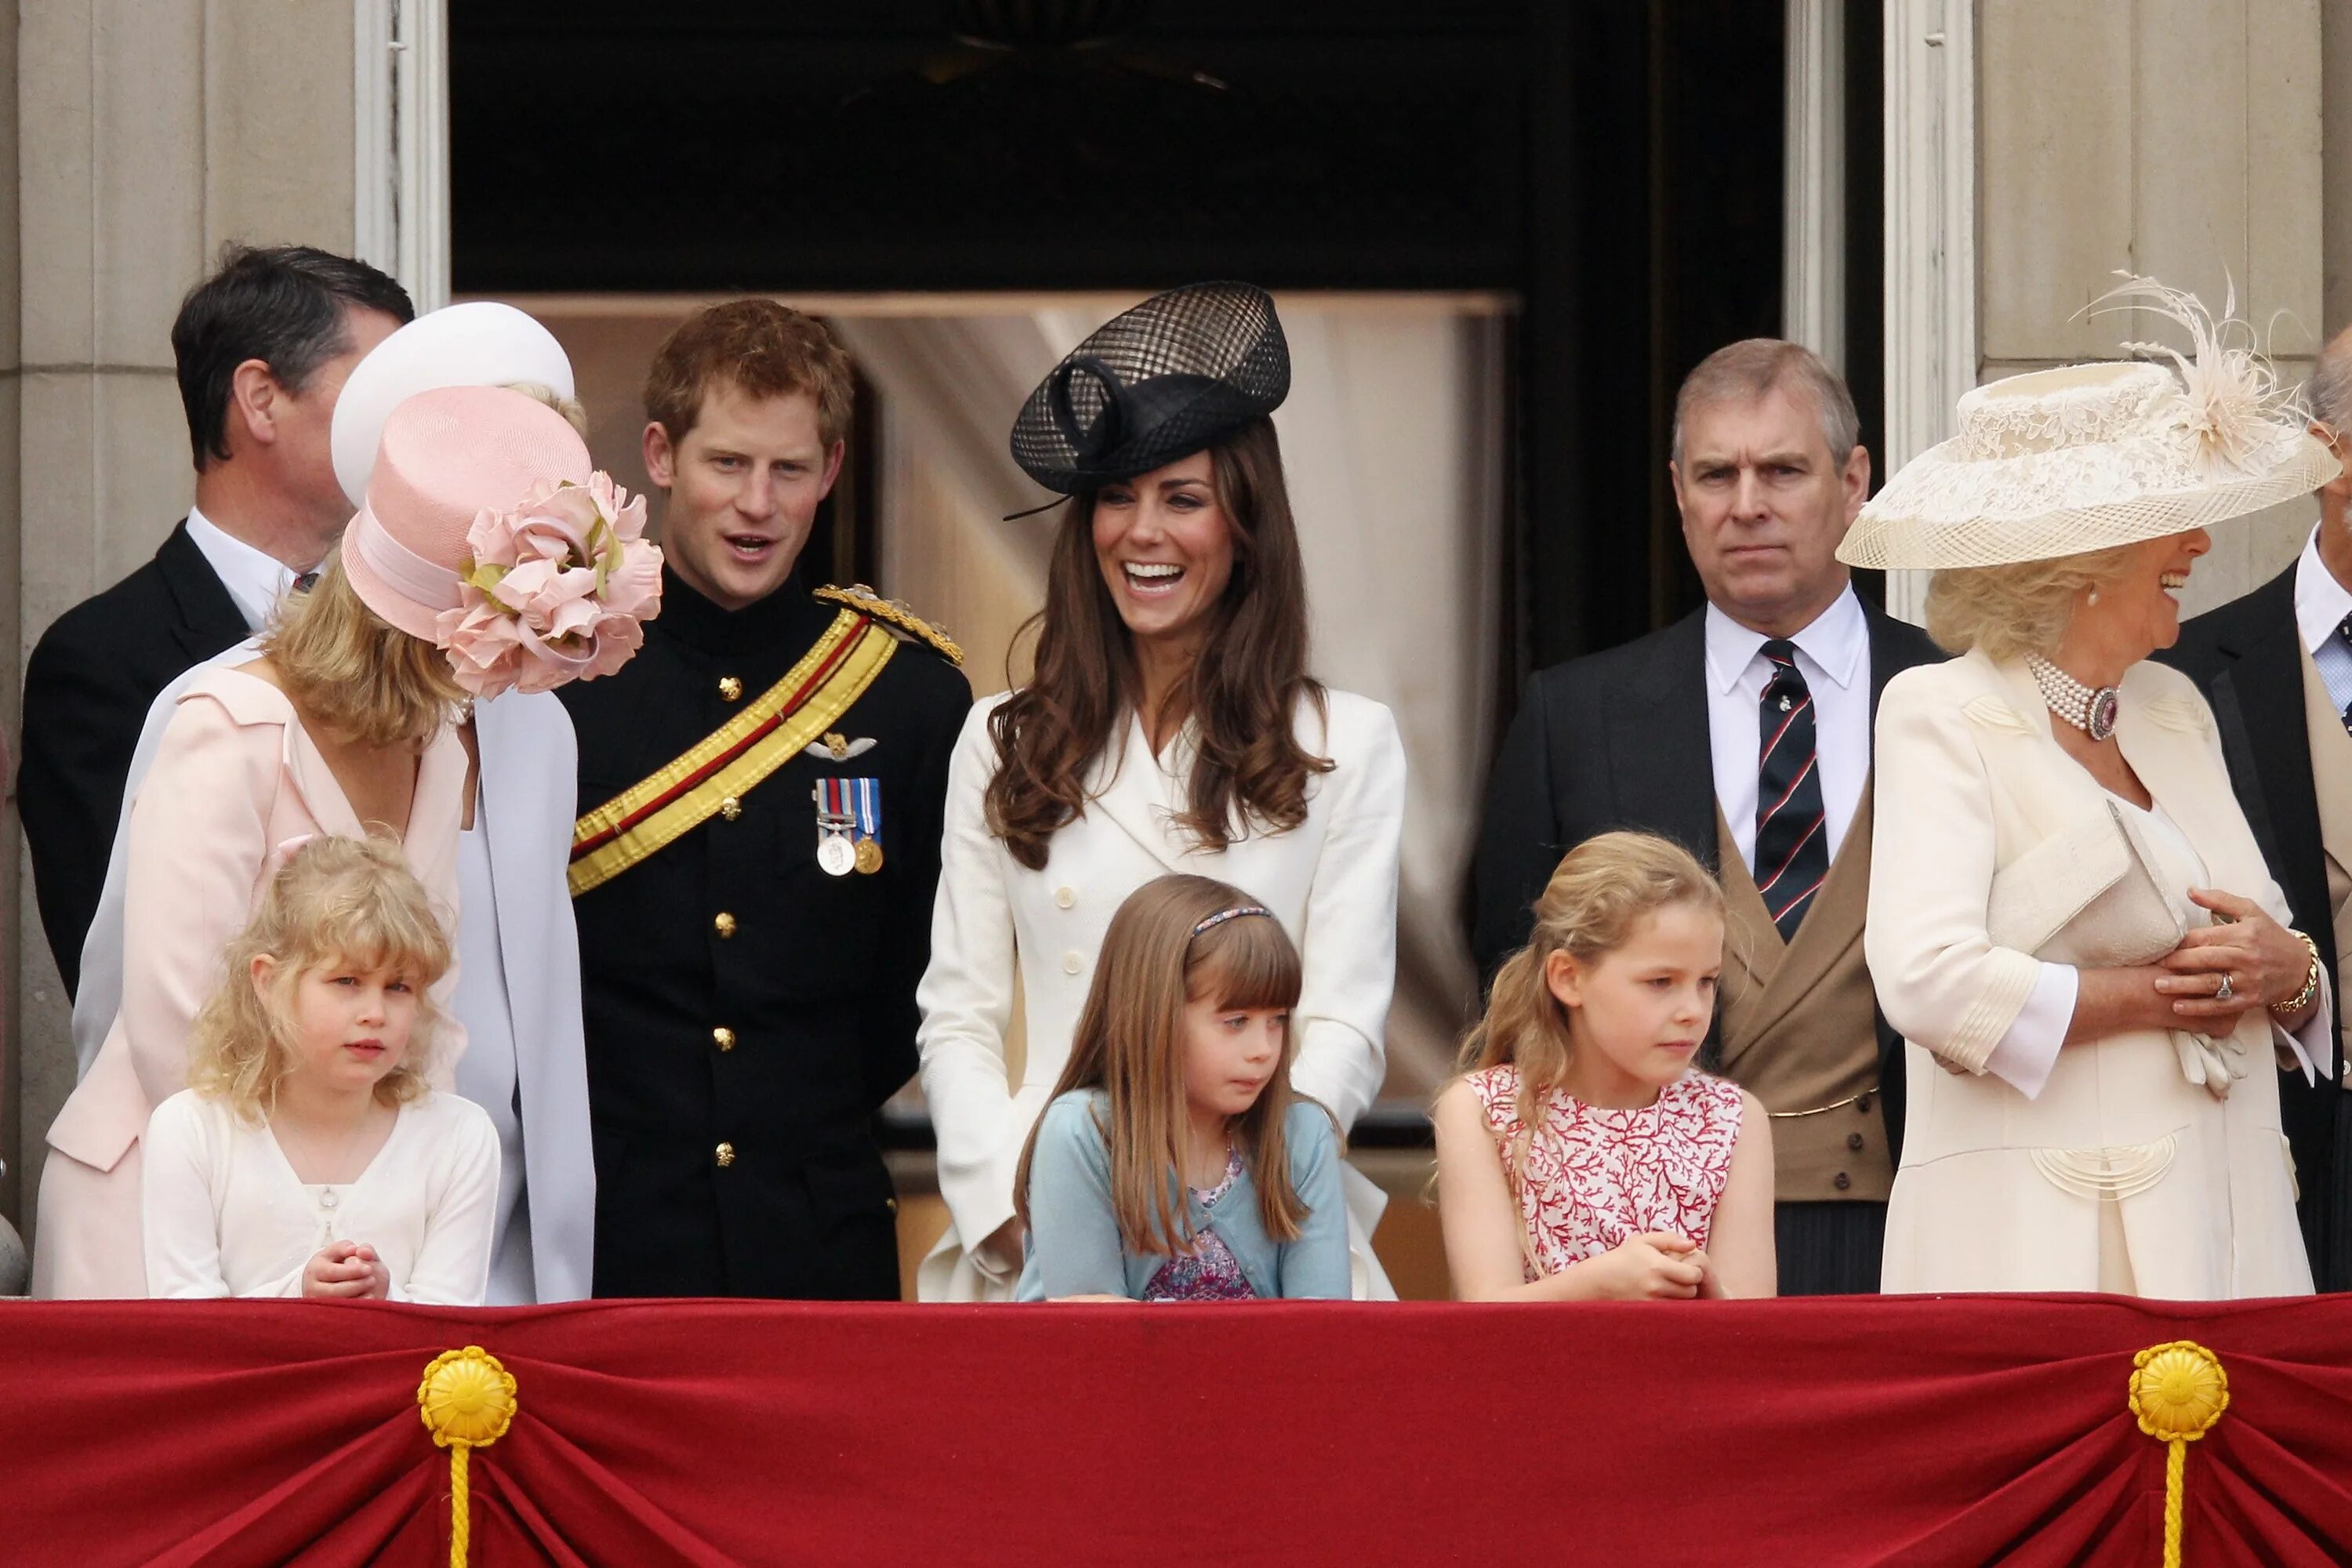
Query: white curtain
[1394,444]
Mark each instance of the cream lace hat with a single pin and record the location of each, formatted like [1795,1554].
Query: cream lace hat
[2060,462]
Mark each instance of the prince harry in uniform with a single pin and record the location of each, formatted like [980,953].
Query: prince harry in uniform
[762,789]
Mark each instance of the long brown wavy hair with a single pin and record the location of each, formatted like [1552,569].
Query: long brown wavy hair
[1130,1044]
[1250,772]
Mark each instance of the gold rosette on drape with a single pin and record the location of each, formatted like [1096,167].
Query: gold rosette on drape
[2177,1390]
[467,1401]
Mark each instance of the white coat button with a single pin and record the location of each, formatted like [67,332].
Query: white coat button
[1072,962]
[1066,897]
[327,1200]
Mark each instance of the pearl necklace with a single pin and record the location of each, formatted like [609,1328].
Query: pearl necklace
[2093,712]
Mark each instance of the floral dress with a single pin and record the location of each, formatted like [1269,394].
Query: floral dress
[1209,1272]
[1594,1177]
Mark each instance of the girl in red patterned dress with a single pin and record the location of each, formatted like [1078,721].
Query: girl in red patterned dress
[1580,1156]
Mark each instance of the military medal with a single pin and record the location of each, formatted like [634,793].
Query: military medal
[866,804]
[835,855]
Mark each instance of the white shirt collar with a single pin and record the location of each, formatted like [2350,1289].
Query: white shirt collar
[2321,602]
[1834,643]
[255,579]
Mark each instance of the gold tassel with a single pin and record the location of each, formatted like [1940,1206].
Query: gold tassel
[467,1401]
[2177,1390]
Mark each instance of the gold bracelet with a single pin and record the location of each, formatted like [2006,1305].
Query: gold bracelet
[2302,999]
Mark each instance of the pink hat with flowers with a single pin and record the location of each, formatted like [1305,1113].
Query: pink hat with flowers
[486,533]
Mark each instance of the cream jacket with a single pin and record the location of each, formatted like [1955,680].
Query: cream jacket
[1999,1192]
[1003,936]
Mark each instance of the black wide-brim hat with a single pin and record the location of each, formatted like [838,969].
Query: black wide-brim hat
[1153,385]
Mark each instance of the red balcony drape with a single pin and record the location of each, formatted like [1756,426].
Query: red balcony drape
[1935,1431]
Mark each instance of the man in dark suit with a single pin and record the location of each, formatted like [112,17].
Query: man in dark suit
[2276,666]
[262,346]
[762,789]
[1743,734]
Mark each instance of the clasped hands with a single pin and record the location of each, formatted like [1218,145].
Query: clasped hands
[346,1272]
[2251,957]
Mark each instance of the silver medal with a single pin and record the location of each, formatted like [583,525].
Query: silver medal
[835,855]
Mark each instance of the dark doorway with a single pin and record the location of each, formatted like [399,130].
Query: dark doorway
[1615,165]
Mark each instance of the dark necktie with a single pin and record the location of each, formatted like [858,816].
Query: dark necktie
[1792,850]
[2344,636]
[307,581]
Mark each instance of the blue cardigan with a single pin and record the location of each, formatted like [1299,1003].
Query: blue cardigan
[1073,1246]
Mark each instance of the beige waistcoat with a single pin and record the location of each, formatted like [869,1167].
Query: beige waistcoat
[2331,777]
[1800,1031]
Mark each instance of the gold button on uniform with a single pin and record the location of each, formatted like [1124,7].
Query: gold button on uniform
[729,688]
[1065,898]
[723,924]
[731,809]
[723,1037]
[726,1155]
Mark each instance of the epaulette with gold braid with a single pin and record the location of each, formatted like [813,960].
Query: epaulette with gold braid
[891,613]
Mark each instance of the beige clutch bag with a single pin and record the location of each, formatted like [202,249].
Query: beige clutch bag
[2086,897]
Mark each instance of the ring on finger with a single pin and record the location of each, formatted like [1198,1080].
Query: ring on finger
[2226,990]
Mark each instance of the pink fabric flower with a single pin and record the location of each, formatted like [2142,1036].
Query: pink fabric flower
[555,589]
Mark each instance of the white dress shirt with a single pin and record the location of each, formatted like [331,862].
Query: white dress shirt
[2321,603]
[255,580]
[1833,656]
[227,1215]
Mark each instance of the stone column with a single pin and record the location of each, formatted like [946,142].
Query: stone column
[149,133]
[2181,138]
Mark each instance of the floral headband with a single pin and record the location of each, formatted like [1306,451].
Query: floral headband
[554,590]
[1236,912]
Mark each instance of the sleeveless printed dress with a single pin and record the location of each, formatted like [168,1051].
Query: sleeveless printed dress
[1595,1177]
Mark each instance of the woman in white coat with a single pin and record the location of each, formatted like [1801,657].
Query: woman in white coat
[2069,915]
[1171,726]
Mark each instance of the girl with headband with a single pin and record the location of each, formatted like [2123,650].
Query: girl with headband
[1174,1163]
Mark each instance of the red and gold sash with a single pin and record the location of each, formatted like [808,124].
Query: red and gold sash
[767,734]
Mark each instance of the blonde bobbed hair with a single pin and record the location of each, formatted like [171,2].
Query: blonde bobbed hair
[353,674]
[1600,892]
[339,901]
[2012,611]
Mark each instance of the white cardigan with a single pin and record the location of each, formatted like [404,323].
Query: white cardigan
[1001,931]
[227,1215]
[1999,1190]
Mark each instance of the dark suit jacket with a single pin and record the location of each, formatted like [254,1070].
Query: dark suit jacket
[87,691]
[1619,739]
[2247,657]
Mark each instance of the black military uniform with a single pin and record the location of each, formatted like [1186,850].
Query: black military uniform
[747,1010]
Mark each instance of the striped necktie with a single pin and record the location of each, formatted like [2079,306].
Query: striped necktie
[2344,635]
[1792,851]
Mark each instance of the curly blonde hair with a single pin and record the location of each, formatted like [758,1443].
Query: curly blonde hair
[2012,611]
[336,902]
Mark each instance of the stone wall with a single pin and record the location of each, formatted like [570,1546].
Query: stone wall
[147,134]
[2181,138]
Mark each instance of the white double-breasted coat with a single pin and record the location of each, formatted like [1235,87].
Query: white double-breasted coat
[1004,937]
